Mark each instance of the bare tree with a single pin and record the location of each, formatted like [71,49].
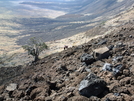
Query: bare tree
[34,47]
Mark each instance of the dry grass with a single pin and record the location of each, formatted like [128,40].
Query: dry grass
[8,44]
[124,17]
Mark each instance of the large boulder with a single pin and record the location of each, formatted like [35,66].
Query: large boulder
[101,53]
[92,86]
[87,58]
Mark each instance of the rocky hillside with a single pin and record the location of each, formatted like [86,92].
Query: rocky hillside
[99,70]
[52,19]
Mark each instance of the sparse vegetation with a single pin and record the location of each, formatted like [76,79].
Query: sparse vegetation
[5,60]
[35,47]
[103,22]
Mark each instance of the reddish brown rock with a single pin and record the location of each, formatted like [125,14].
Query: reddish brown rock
[18,94]
[2,89]
[127,97]
[132,69]
[40,91]
[126,72]
[112,97]
[125,81]
[78,98]
[115,84]
[61,98]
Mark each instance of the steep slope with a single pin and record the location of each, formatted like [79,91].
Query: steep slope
[57,77]
[52,20]
[81,7]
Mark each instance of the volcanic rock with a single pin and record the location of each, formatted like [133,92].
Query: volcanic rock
[107,67]
[92,86]
[64,76]
[87,59]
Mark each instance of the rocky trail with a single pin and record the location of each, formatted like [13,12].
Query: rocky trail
[100,70]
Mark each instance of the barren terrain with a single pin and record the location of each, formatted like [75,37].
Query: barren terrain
[97,66]
[104,28]
[21,21]
[58,77]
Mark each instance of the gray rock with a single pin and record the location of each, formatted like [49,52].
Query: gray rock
[131,45]
[61,67]
[92,86]
[107,99]
[87,70]
[117,69]
[119,45]
[132,55]
[117,58]
[130,36]
[107,67]
[111,47]
[81,69]
[11,87]
[114,69]
[101,53]
[102,42]
[29,90]
[116,94]
[87,59]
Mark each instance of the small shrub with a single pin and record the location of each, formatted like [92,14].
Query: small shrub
[34,47]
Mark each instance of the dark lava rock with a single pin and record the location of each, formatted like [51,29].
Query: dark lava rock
[107,67]
[29,90]
[92,86]
[87,58]
[117,69]
[117,58]
[102,42]
[111,47]
[1,98]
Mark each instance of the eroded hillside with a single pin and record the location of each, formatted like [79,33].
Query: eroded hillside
[57,77]
[56,45]
[22,20]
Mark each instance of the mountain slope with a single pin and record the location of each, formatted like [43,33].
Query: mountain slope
[80,16]
[57,77]
[52,20]
[85,6]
